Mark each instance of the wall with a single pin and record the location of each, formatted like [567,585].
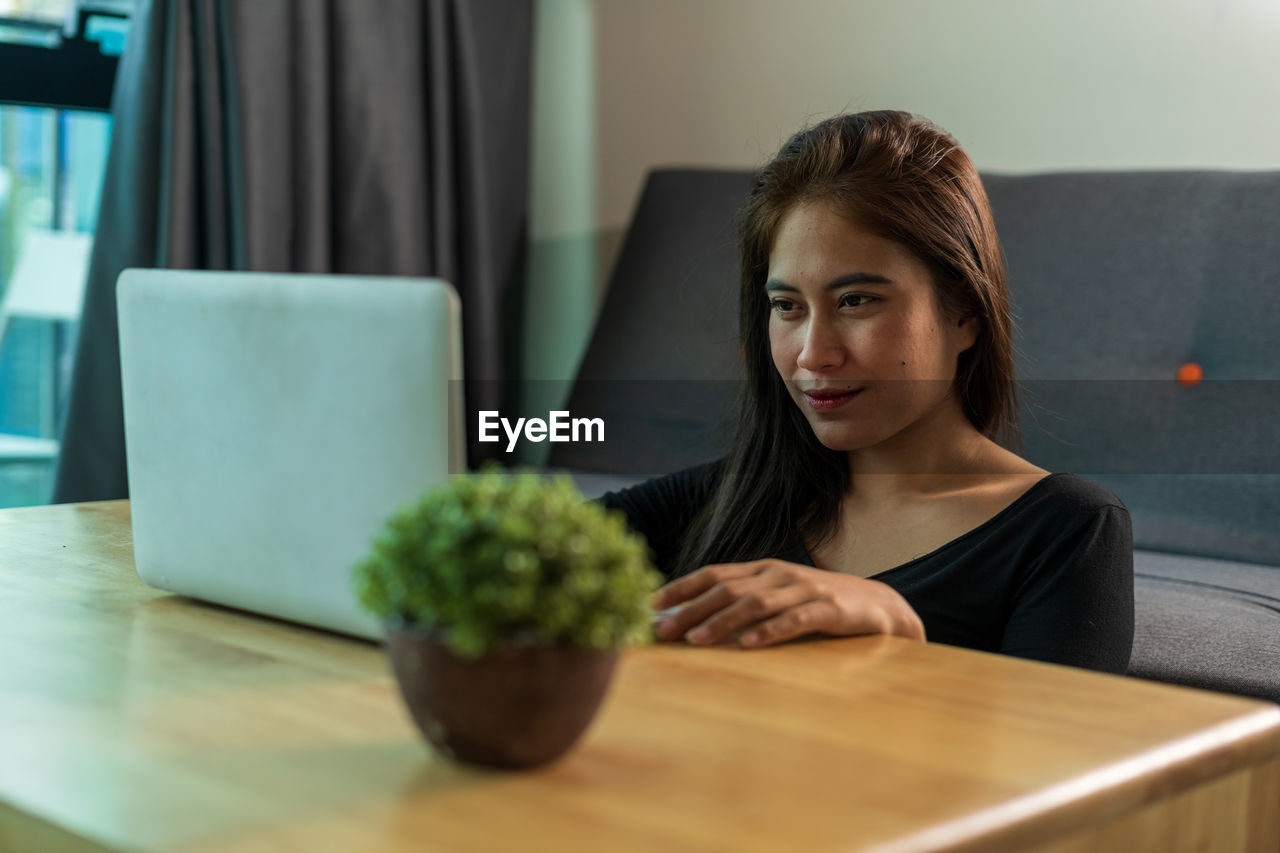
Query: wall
[1025,85]
[563,281]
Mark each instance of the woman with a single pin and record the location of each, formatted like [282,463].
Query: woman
[866,491]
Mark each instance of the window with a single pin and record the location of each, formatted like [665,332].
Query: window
[57,68]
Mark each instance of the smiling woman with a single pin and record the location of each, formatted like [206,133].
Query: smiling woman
[868,489]
[877,341]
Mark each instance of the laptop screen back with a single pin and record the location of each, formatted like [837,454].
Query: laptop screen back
[273,422]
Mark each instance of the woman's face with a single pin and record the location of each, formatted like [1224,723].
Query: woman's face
[856,332]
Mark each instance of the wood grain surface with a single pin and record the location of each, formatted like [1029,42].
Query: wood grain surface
[131,719]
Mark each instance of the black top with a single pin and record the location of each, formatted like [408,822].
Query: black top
[1050,577]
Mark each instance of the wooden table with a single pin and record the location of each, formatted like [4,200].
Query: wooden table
[134,720]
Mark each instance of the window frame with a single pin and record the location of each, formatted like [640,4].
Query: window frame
[66,73]
[75,75]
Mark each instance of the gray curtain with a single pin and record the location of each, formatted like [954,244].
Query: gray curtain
[346,136]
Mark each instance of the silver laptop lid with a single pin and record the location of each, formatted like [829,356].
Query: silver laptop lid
[273,422]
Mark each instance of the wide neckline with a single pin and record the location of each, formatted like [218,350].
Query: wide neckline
[963,536]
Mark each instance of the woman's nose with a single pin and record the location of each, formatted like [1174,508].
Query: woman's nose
[822,349]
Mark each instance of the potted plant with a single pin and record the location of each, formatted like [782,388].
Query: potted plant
[505,599]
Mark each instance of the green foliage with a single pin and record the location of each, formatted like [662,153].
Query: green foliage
[490,558]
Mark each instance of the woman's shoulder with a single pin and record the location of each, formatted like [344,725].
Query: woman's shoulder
[680,490]
[1068,492]
[1024,488]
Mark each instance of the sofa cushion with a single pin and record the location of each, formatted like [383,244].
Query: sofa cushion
[1224,516]
[1206,623]
[1116,280]
[1126,275]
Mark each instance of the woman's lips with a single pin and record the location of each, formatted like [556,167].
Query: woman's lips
[823,401]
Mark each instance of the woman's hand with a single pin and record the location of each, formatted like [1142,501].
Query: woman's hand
[770,601]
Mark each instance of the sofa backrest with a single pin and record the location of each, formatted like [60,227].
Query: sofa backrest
[1116,280]
[662,368]
[1119,279]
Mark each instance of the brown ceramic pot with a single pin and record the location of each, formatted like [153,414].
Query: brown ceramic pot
[519,706]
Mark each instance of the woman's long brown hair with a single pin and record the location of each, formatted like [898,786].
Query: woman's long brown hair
[910,182]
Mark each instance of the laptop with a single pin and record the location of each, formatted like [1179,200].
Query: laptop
[274,422]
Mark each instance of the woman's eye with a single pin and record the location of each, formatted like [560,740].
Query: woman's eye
[856,300]
[781,306]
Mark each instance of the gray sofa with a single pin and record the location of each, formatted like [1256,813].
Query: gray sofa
[1116,280]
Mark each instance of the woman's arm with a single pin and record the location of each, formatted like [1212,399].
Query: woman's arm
[662,509]
[771,601]
[1074,606]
